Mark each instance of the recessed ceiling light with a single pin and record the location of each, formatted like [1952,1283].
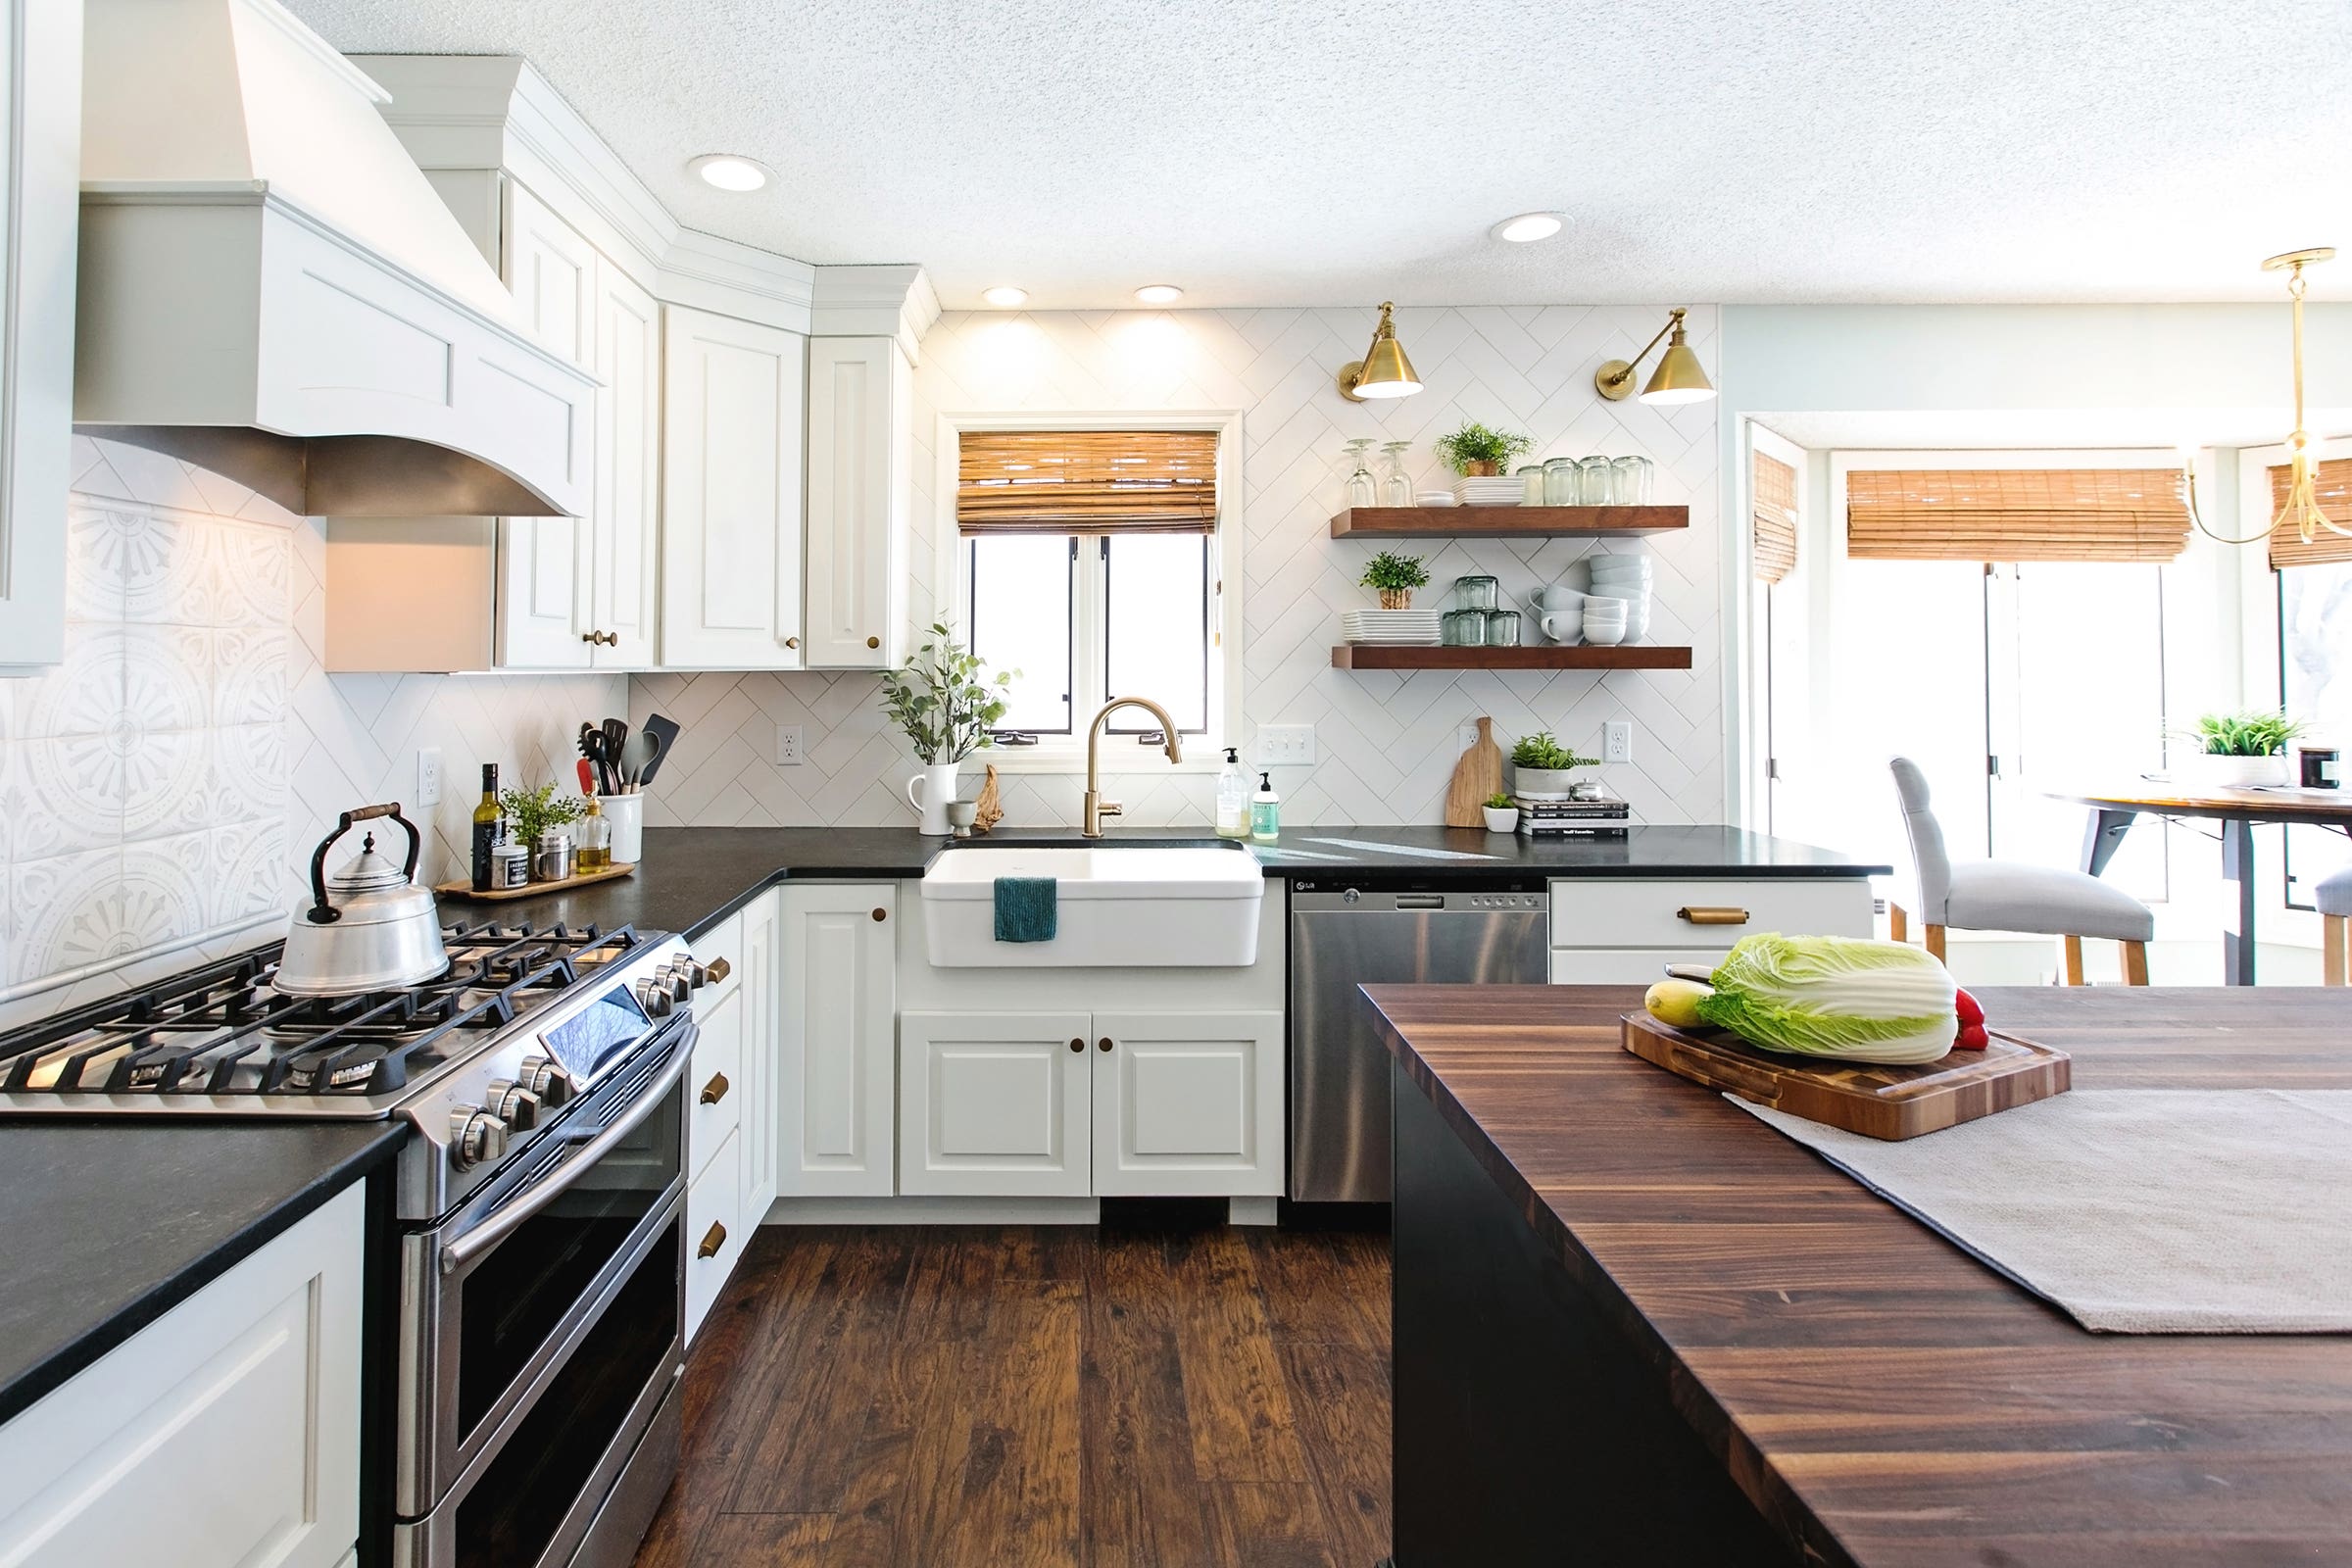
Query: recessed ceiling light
[728,171]
[1526,226]
[1159,293]
[1006,295]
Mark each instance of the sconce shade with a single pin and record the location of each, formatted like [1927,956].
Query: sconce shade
[1677,377]
[1384,372]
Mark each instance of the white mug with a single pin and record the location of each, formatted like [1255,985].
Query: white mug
[929,793]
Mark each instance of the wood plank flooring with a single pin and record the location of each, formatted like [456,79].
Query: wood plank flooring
[1158,1392]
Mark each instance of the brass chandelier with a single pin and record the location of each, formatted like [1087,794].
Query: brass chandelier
[2301,509]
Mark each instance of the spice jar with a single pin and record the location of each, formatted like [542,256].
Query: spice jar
[510,866]
[551,858]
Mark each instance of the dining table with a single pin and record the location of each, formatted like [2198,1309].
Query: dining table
[2240,809]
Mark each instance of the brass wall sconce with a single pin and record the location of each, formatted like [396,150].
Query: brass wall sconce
[1384,372]
[1677,380]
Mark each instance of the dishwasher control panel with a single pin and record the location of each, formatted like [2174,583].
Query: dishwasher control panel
[1513,896]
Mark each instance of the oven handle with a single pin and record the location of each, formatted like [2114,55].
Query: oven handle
[490,1232]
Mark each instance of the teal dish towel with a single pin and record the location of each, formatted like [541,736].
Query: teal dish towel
[1028,909]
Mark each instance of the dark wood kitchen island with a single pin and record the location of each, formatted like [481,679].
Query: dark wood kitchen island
[1635,1326]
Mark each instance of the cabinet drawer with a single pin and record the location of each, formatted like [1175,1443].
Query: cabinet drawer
[1624,967]
[723,941]
[715,1083]
[1647,915]
[715,1229]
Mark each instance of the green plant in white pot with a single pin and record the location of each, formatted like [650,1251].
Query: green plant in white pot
[946,701]
[2241,749]
[1542,766]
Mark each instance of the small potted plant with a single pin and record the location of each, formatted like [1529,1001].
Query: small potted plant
[1502,815]
[2242,749]
[946,701]
[1540,764]
[1475,450]
[1396,576]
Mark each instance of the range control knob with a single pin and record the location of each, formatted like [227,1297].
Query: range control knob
[474,1135]
[654,997]
[541,1078]
[679,983]
[511,1103]
[694,976]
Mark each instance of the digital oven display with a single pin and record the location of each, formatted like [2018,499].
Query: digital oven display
[591,1037]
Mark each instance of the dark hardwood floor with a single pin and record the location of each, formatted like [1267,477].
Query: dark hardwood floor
[1155,1391]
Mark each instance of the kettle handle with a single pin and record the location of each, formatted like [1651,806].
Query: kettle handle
[322,913]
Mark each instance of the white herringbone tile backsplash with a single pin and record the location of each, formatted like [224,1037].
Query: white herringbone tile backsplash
[1386,741]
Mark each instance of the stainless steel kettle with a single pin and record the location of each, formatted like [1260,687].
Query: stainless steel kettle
[369,927]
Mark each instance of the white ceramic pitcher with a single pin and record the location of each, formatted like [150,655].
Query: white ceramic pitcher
[929,793]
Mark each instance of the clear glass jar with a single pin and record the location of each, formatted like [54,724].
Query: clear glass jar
[1628,481]
[1395,485]
[1362,491]
[1531,486]
[1463,628]
[1503,628]
[1475,593]
[1593,484]
[594,850]
[1560,483]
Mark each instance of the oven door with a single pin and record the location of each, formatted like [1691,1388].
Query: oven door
[550,1301]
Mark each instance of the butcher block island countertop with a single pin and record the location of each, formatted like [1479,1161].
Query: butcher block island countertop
[1636,1325]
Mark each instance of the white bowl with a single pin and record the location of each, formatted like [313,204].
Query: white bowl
[1603,636]
[1601,608]
[1621,577]
[1564,626]
[1434,498]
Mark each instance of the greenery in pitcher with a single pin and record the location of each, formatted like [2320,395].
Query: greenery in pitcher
[944,699]
[1474,449]
[2247,734]
[1396,577]
[1547,754]
[534,811]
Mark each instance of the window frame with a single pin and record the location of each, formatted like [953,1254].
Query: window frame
[1067,754]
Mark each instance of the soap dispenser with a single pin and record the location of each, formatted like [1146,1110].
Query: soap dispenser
[1266,811]
[1233,797]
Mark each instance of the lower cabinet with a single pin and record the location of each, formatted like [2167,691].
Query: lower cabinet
[1072,1105]
[730,1125]
[226,1433]
[835,1130]
[1625,932]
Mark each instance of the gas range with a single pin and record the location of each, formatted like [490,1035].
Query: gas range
[480,1061]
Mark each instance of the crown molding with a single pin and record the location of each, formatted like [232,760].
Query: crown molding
[875,301]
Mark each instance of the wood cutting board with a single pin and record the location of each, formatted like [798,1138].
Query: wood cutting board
[1476,777]
[532,890]
[1877,1102]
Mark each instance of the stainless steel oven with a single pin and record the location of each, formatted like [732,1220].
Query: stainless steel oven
[542,1335]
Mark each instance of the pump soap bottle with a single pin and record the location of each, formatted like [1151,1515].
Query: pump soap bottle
[1233,797]
[1266,811]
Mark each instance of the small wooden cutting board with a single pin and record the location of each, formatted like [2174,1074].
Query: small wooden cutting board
[1477,777]
[1877,1102]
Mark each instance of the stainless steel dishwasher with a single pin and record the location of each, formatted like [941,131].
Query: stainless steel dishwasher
[1393,930]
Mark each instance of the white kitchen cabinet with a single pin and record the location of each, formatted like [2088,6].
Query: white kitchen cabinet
[625,546]
[731,501]
[223,1434]
[1610,931]
[995,1104]
[544,562]
[730,1116]
[715,1081]
[835,1116]
[40,186]
[860,445]
[763,948]
[1188,1103]
[715,1229]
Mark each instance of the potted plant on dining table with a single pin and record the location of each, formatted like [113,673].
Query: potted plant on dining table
[2242,749]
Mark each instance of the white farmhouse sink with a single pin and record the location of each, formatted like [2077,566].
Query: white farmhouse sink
[1127,906]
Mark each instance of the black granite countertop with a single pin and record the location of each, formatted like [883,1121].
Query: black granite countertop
[693,877]
[111,1224]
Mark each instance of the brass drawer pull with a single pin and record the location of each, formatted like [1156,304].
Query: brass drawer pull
[873,642]
[716,1088]
[713,1240]
[716,970]
[1711,914]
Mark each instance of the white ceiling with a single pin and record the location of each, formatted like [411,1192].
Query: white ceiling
[1296,151]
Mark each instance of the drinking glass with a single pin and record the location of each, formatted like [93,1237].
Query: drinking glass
[1395,485]
[1628,481]
[1463,628]
[1474,593]
[1592,482]
[1362,491]
[1531,486]
[1560,486]
[1503,628]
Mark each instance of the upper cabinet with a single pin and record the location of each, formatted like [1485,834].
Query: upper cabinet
[624,548]
[40,73]
[861,440]
[543,562]
[732,394]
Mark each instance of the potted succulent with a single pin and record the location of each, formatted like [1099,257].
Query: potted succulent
[1396,576]
[2241,749]
[1540,764]
[946,701]
[1476,450]
[1502,815]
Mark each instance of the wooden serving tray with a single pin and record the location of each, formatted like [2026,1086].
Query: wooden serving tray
[532,890]
[1877,1101]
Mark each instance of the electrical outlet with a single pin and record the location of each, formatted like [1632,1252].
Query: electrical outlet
[1617,741]
[1465,737]
[1286,744]
[788,745]
[428,776]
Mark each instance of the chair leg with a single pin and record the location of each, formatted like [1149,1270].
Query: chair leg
[2334,930]
[1898,923]
[2071,959]
[2135,963]
[1935,942]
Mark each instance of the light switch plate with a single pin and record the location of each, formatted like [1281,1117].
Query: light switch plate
[788,745]
[1617,741]
[1286,744]
[428,776]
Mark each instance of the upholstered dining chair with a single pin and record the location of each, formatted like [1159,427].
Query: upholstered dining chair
[2334,898]
[2017,896]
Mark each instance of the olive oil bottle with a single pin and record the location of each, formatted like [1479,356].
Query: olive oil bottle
[489,828]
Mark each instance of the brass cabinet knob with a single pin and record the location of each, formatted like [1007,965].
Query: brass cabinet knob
[1103,1043]
[713,1240]
[1077,1045]
[606,639]
[792,642]
[881,914]
[716,1088]
[873,642]
[717,969]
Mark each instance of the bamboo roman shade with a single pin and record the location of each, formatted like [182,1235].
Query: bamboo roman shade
[1086,481]
[2332,487]
[2016,514]
[1773,512]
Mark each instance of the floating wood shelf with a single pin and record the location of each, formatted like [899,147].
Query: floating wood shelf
[1642,655]
[1505,523]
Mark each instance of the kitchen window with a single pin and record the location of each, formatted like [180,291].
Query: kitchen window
[1093,562]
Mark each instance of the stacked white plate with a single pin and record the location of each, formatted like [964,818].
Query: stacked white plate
[1400,628]
[1490,490]
[1626,578]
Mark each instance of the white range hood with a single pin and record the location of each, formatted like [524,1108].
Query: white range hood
[271,288]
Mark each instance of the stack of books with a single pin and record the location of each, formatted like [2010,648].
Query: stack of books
[1557,816]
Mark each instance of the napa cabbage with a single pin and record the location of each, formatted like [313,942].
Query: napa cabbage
[1841,997]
